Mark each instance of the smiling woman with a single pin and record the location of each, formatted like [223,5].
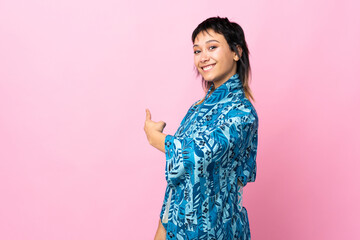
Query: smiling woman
[212,155]
[213,57]
[234,38]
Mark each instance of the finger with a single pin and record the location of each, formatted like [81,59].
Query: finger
[148,114]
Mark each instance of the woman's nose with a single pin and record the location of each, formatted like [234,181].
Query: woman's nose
[204,56]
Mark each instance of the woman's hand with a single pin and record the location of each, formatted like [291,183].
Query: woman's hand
[153,131]
[151,126]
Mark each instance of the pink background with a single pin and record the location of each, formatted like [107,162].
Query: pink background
[76,77]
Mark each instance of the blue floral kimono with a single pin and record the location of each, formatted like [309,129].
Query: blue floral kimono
[210,158]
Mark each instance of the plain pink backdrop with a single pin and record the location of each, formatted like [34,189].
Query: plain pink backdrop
[76,77]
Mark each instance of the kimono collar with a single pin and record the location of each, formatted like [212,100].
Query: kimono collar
[233,84]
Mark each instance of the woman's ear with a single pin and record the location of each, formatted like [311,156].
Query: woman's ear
[236,57]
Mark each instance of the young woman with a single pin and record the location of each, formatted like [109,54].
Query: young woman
[211,157]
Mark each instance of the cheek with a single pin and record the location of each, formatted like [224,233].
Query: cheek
[219,56]
[195,59]
[227,59]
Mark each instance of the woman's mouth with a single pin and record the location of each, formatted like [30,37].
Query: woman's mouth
[208,67]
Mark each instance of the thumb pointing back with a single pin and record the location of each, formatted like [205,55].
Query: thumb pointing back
[148,114]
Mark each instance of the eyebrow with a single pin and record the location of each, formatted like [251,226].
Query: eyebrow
[213,40]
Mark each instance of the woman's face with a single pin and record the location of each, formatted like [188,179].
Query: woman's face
[213,58]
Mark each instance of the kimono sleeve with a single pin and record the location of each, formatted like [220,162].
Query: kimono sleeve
[184,155]
[248,136]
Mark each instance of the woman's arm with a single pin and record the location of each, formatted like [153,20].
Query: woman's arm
[157,140]
[236,133]
[154,133]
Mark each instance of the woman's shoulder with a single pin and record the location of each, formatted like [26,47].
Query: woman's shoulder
[198,102]
[242,108]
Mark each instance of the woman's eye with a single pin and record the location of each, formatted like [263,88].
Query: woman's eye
[212,47]
[196,51]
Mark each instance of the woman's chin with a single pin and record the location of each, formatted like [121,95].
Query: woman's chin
[207,79]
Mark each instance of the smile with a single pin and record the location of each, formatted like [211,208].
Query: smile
[209,67]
